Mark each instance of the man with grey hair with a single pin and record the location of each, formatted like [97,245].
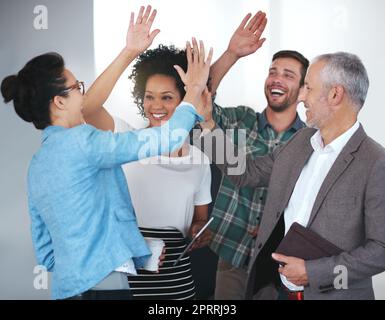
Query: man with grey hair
[329,178]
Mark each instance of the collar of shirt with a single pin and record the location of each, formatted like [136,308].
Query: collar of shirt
[50,130]
[263,122]
[337,144]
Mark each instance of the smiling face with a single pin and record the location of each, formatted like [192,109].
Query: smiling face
[315,98]
[283,84]
[160,99]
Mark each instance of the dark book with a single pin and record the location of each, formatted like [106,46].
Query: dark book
[301,242]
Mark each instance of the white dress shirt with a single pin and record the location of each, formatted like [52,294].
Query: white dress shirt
[309,182]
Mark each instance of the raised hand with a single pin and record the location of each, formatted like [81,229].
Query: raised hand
[139,37]
[197,66]
[245,41]
[247,38]
[195,79]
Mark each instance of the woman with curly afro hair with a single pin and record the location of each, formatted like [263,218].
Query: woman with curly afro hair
[158,63]
[170,193]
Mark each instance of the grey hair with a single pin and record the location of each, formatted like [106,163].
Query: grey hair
[347,70]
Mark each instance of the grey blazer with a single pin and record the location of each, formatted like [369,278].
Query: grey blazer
[349,211]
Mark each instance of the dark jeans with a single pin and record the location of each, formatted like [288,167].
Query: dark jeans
[103,295]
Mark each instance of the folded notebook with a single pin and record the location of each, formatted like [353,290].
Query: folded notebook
[303,243]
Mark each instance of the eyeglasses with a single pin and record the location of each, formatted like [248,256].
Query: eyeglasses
[79,85]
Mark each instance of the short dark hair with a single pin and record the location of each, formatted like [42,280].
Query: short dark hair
[157,61]
[34,86]
[296,56]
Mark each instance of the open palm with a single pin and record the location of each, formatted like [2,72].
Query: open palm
[139,37]
[247,38]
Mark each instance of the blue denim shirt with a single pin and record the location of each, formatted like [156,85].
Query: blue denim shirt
[82,220]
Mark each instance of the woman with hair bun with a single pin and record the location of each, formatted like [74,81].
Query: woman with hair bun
[42,77]
[82,220]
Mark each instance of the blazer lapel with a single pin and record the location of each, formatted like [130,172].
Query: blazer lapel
[302,157]
[340,165]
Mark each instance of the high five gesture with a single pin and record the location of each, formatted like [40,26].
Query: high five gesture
[139,35]
[195,79]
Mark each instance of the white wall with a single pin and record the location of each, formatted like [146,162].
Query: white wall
[212,21]
[310,26]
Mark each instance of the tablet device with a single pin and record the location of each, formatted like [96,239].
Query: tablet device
[192,241]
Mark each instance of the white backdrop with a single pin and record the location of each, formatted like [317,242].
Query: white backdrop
[309,26]
[213,21]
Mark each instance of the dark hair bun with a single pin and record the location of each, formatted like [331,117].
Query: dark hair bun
[32,89]
[9,88]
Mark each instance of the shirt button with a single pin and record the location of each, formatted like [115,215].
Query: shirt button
[260,246]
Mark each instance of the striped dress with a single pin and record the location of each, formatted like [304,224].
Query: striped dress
[171,283]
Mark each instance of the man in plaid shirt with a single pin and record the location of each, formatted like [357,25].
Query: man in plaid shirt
[237,211]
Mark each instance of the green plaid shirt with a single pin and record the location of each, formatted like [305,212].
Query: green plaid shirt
[237,211]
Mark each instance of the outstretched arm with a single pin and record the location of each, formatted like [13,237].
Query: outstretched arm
[245,41]
[138,39]
[242,170]
[106,150]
